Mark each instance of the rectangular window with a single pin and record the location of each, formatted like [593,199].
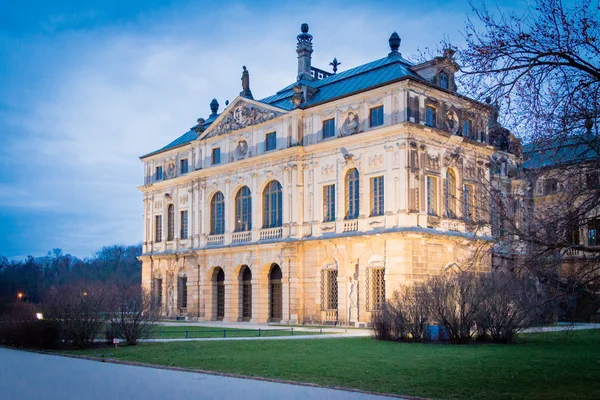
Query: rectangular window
[183,226]
[430,114]
[270,141]
[157,289]
[328,203]
[467,129]
[594,232]
[432,206]
[158,229]
[216,155]
[158,174]
[183,166]
[182,292]
[328,128]
[468,202]
[377,196]
[376,116]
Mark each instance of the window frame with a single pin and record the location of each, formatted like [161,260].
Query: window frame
[432,114]
[270,141]
[217,214]
[468,202]
[216,156]
[272,205]
[183,224]
[158,228]
[450,198]
[170,222]
[377,195]
[243,210]
[329,203]
[376,116]
[328,133]
[432,195]
[352,194]
[446,80]
[158,173]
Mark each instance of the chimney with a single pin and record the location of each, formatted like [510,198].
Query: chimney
[304,50]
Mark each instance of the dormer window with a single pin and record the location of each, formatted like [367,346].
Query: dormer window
[158,174]
[443,80]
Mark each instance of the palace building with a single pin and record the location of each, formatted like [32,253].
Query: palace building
[314,204]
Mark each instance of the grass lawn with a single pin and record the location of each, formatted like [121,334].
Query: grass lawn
[542,366]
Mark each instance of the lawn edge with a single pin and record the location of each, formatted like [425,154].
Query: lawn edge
[208,372]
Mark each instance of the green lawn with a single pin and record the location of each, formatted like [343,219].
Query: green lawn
[179,332]
[542,366]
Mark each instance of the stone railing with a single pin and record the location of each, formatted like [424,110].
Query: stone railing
[271,233]
[170,246]
[351,226]
[452,225]
[215,239]
[239,237]
[329,315]
[573,252]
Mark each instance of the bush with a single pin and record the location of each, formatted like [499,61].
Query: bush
[19,327]
[132,314]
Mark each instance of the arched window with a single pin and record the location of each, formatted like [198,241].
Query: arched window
[352,199]
[246,293]
[170,222]
[450,194]
[219,278]
[217,214]
[443,80]
[272,205]
[243,210]
[275,294]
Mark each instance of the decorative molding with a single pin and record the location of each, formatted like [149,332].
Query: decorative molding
[241,116]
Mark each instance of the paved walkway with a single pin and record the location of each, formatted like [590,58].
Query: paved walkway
[32,376]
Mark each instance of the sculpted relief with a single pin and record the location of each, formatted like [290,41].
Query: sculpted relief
[242,115]
[351,124]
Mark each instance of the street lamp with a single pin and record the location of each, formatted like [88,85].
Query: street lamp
[20,296]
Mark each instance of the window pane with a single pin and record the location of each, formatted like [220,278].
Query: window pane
[217,214]
[183,230]
[270,141]
[216,155]
[432,196]
[158,229]
[377,196]
[170,222]
[183,166]
[352,194]
[328,128]
[329,203]
[430,116]
[376,116]
[243,210]
[272,205]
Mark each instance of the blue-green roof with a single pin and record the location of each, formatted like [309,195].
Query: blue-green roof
[373,74]
[569,150]
[345,83]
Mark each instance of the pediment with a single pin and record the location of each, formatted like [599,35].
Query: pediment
[240,114]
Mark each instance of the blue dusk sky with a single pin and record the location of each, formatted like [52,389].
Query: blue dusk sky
[86,87]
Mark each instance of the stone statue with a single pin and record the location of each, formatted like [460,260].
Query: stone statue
[171,300]
[351,125]
[246,84]
[353,295]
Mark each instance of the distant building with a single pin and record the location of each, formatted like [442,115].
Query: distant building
[316,203]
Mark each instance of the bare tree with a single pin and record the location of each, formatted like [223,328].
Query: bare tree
[133,314]
[542,69]
[79,311]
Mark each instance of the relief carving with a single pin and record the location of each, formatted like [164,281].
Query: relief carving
[376,161]
[327,170]
[351,124]
[183,199]
[243,115]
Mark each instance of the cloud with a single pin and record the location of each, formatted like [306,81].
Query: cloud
[81,105]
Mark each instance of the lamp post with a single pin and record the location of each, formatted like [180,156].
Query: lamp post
[20,296]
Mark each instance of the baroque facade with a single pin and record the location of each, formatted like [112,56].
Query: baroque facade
[316,203]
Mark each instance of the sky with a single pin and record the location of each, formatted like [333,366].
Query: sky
[86,87]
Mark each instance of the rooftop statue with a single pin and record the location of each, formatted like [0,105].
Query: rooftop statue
[246,85]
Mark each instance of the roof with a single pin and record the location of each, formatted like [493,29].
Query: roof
[345,83]
[570,150]
[186,138]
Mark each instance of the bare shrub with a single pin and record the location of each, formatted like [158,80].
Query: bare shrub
[511,304]
[382,323]
[79,310]
[133,314]
[455,302]
[20,327]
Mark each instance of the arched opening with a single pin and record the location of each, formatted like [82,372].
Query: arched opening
[352,194]
[275,294]
[243,210]
[272,205]
[246,276]
[219,292]
[170,222]
[217,214]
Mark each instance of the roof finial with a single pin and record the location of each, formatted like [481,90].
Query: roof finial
[214,106]
[335,64]
[246,84]
[394,42]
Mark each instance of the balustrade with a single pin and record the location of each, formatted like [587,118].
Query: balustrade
[271,233]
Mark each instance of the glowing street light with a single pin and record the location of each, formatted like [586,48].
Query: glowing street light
[20,296]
